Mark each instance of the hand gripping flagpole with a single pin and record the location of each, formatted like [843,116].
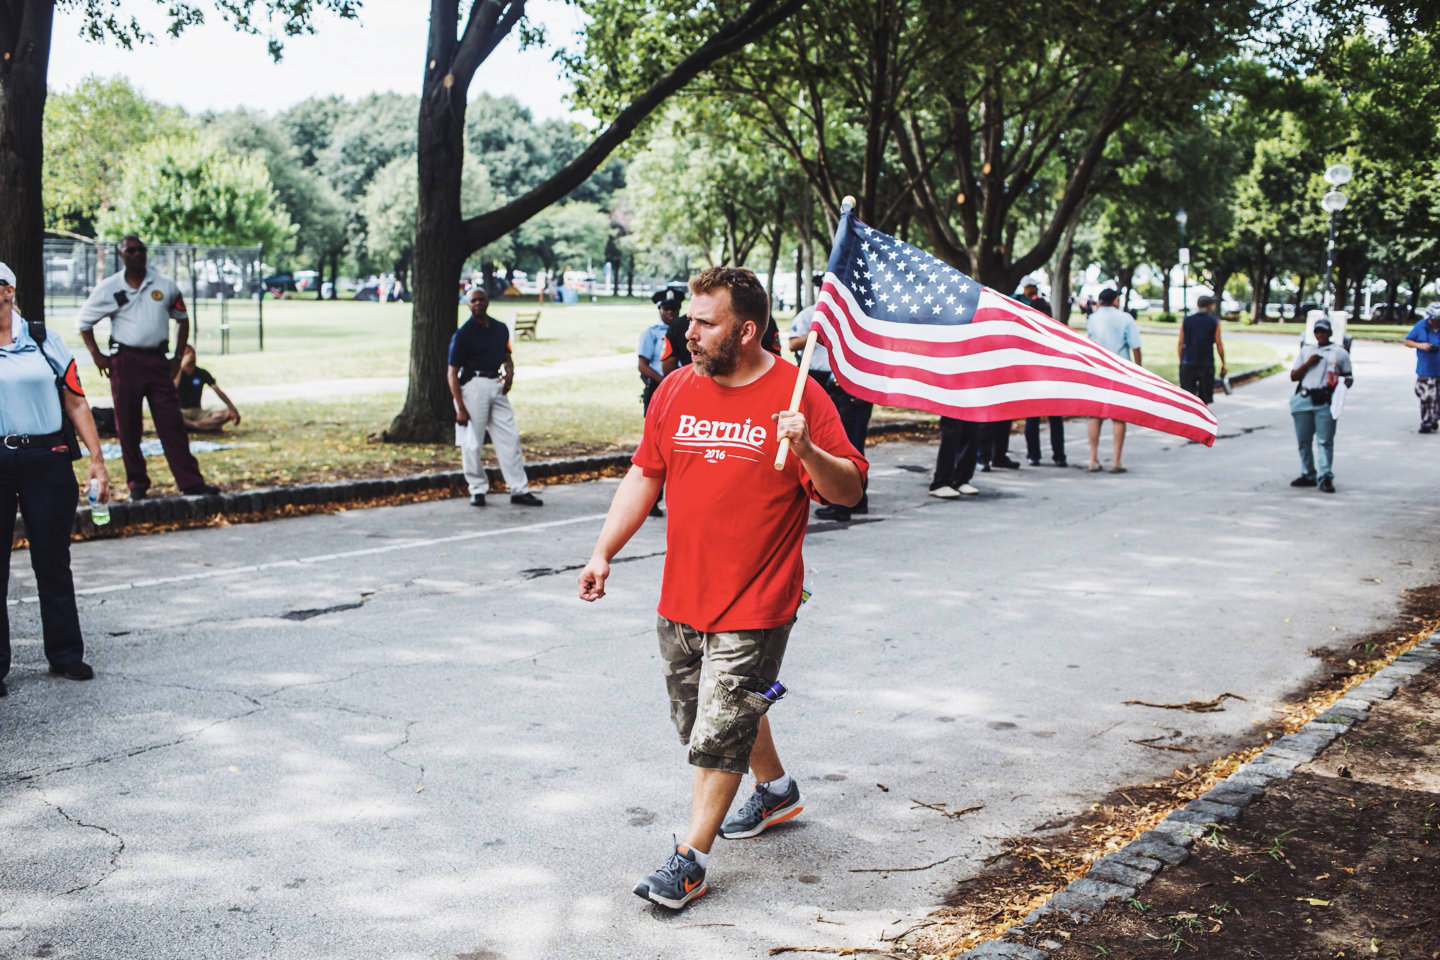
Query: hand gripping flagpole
[846,206]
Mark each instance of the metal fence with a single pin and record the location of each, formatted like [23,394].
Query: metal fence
[222,288]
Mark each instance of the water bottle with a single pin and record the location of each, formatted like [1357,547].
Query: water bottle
[774,692]
[99,512]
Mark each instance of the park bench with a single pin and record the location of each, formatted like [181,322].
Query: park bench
[525,324]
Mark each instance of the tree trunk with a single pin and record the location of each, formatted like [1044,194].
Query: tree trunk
[1124,277]
[25,28]
[630,278]
[1222,279]
[429,413]
[804,289]
[1060,279]
[777,233]
[1259,294]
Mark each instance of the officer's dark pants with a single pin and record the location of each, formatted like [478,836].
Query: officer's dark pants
[1199,380]
[855,418]
[1057,438]
[137,376]
[995,441]
[41,481]
[955,463]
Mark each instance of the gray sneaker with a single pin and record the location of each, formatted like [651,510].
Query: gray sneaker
[761,811]
[678,881]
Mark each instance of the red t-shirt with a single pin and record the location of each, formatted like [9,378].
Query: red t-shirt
[735,522]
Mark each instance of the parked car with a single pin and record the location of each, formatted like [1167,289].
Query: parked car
[1390,313]
[371,292]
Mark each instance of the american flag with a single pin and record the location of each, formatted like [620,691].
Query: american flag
[907,330]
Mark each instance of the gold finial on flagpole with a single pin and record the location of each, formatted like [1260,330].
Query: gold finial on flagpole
[848,203]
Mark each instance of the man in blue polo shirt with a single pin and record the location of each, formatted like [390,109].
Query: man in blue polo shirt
[1424,339]
[480,375]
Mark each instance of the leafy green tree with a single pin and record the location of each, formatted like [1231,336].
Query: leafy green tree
[308,198]
[25,30]
[638,36]
[190,190]
[390,204]
[89,131]
[567,236]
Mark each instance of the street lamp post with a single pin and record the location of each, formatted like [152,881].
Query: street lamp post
[1336,175]
[1181,217]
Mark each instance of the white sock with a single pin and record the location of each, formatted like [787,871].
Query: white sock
[700,858]
[779,786]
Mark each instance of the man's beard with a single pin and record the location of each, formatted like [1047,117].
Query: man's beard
[723,359]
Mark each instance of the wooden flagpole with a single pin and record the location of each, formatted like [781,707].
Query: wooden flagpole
[846,206]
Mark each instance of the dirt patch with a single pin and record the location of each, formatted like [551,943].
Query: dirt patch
[1341,860]
[1030,869]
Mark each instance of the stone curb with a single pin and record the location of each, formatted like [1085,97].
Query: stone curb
[249,502]
[1121,874]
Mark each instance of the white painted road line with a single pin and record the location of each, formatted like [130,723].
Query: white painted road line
[319,558]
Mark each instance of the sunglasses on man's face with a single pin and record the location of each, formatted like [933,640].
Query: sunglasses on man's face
[131,251]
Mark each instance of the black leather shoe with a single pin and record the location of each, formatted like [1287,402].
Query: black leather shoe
[73,671]
[527,500]
[655,511]
[833,512]
[1007,463]
[1034,461]
[201,490]
[139,493]
[1327,485]
[1062,462]
[1303,482]
[477,499]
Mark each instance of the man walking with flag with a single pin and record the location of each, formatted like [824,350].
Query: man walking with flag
[733,569]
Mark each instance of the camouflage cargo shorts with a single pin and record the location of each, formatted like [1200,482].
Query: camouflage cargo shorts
[716,683]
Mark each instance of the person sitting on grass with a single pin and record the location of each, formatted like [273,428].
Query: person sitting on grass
[190,384]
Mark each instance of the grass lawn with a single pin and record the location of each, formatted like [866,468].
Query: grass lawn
[298,441]
[339,339]
[1158,352]
[1360,331]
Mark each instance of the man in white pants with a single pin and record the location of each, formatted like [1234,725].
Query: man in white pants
[481,372]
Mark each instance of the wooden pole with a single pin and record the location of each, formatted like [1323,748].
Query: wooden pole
[799,390]
[846,206]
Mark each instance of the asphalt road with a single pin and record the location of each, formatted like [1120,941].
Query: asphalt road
[396,733]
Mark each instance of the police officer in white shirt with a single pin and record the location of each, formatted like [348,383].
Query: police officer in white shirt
[140,304]
[1318,370]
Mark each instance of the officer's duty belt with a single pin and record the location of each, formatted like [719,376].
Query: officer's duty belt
[116,347]
[25,441]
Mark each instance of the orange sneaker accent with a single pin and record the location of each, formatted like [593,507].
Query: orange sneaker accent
[689,884]
[682,848]
[786,817]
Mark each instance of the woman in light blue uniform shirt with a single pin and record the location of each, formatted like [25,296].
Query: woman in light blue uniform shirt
[36,475]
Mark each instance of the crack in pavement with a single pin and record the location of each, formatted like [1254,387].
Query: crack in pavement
[40,773]
[405,741]
[114,856]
